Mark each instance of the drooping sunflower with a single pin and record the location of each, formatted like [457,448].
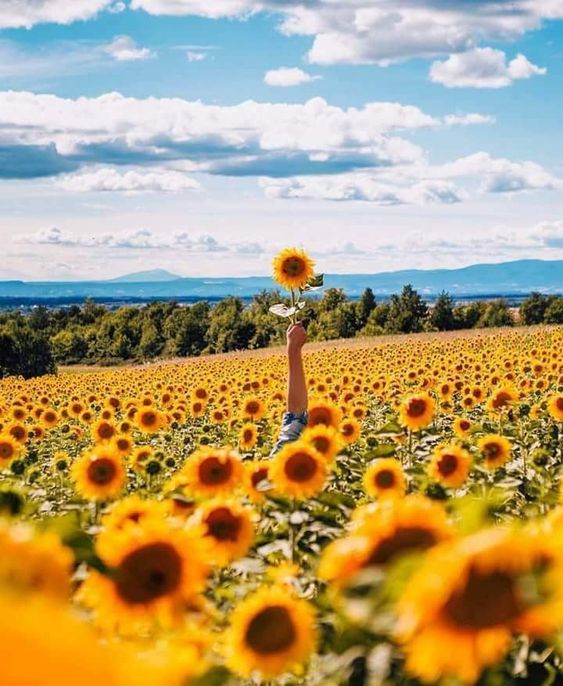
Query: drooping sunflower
[298,470]
[473,594]
[229,526]
[325,439]
[385,477]
[213,471]
[99,474]
[495,449]
[382,533]
[293,268]
[248,435]
[271,632]
[555,407]
[9,449]
[450,465]
[417,411]
[255,475]
[157,568]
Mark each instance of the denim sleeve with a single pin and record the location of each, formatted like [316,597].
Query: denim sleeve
[292,427]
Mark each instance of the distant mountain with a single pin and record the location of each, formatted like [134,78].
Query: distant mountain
[151,276]
[506,278]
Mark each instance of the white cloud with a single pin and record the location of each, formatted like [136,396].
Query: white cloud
[288,76]
[482,68]
[110,179]
[124,49]
[46,134]
[380,31]
[196,56]
[27,13]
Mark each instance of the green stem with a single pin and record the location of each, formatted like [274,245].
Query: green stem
[293,318]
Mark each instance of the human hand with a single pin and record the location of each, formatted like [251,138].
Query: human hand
[296,337]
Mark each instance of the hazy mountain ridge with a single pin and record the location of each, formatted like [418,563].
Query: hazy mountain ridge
[518,277]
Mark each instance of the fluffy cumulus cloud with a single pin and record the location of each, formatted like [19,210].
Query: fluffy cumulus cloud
[249,139]
[102,179]
[483,68]
[379,31]
[288,76]
[124,49]
[27,13]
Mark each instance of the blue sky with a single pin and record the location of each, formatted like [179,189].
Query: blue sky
[201,136]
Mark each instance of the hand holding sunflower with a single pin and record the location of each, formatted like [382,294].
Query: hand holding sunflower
[294,271]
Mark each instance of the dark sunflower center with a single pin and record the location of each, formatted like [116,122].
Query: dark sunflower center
[464,426]
[319,417]
[149,573]
[213,472]
[258,476]
[248,435]
[102,471]
[18,432]
[559,404]
[501,400]
[492,450]
[322,444]
[416,407]
[293,266]
[486,600]
[271,631]
[223,525]
[402,541]
[300,467]
[347,429]
[6,451]
[105,430]
[385,479]
[447,465]
[149,418]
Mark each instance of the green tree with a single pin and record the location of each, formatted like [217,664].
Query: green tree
[497,313]
[407,312]
[554,312]
[442,314]
[25,352]
[532,310]
[366,305]
[69,346]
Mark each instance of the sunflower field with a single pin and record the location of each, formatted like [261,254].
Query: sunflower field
[413,534]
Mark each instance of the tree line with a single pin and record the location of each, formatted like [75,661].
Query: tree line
[35,343]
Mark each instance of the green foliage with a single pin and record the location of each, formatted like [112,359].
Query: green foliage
[442,314]
[497,313]
[24,351]
[407,312]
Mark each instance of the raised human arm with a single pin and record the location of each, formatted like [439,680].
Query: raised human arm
[297,400]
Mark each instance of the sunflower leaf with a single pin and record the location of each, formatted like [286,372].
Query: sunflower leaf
[314,284]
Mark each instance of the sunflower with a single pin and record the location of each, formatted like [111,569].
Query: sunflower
[298,470]
[350,430]
[131,510]
[43,643]
[555,407]
[229,526]
[34,562]
[9,449]
[326,440]
[417,411]
[270,632]
[495,449]
[255,477]
[253,408]
[99,473]
[17,431]
[472,594]
[123,444]
[149,420]
[247,436]
[293,268]
[156,569]
[385,477]
[382,533]
[501,400]
[49,418]
[321,412]
[103,431]
[213,471]
[461,426]
[450,465]
[141,456]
